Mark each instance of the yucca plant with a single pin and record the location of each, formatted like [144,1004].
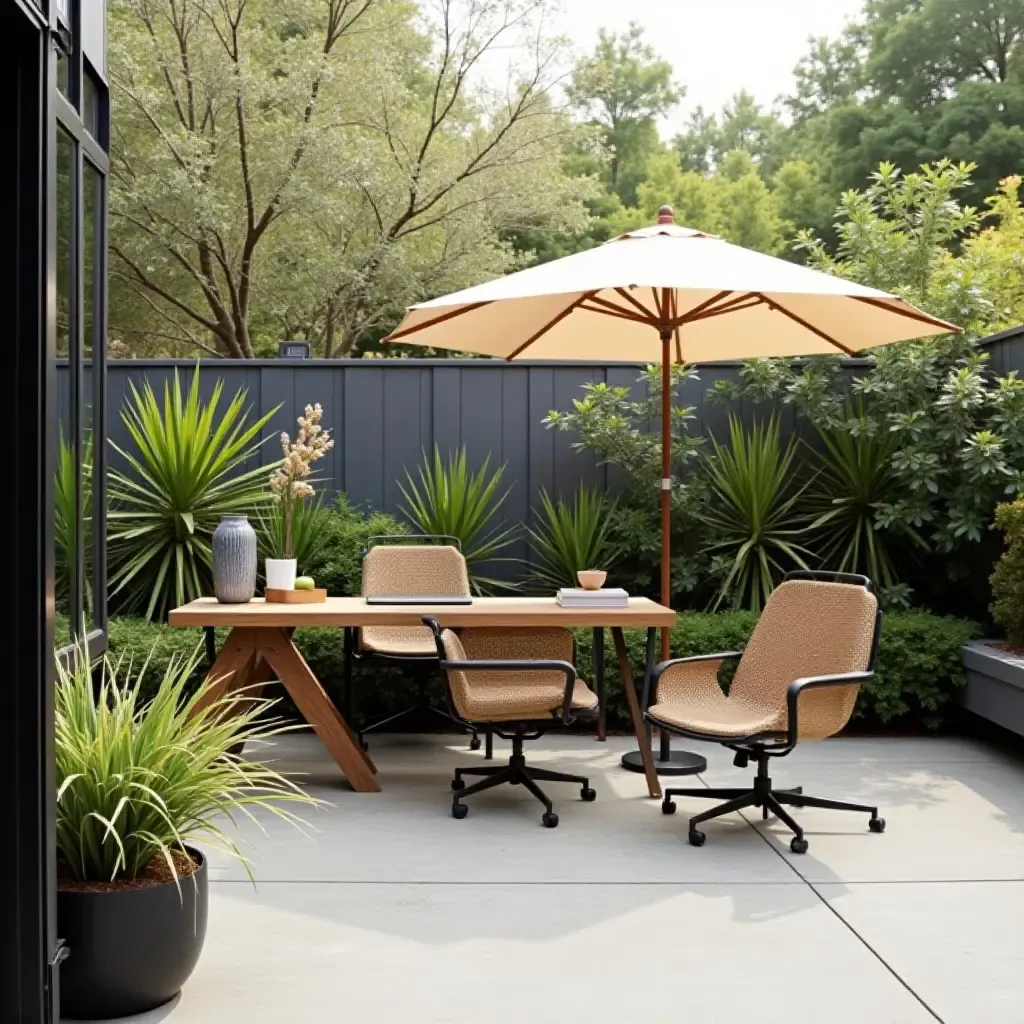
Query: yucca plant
[309,522]
[138,780]
[753,514]
[855,479]
[451,500]
[184,473]
[567,538]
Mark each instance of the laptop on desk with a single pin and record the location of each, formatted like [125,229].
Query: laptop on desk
[418,599]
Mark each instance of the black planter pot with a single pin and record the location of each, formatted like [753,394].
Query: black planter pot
[132,949]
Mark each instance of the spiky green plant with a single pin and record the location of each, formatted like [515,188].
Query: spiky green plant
[184,473]
[855,480]
[566,538]
[138,780]
[451,500]
[753,516]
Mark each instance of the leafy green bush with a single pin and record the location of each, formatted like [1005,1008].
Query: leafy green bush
[1008,579]
[622,431]
[337,560]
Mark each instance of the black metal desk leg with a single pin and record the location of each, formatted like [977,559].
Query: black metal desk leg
[667,761]
[599,682]
[347,674]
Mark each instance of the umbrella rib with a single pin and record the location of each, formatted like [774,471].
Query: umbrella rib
[561,315]
[650,317]
[910,314]
[707,304]
[737,305]
[647,318]
[612,310]
[450,315]
[773,304]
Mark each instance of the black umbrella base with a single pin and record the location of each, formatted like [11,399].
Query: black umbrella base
[679,762]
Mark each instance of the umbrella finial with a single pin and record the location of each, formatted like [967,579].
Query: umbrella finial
[666,215]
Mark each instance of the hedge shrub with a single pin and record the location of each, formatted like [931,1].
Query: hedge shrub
[918,672]
[1008,579]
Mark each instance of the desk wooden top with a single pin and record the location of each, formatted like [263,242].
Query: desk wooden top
[484,611]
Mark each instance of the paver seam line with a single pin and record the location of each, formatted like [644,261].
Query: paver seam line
[572,882]
[489,882]
[853,931]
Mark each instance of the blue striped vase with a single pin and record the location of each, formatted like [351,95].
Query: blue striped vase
[234,560]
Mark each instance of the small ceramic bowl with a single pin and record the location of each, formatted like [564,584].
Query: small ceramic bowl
[591,579]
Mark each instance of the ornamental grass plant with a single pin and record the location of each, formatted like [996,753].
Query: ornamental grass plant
[139,779]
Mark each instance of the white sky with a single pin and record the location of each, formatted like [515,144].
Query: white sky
[717,46]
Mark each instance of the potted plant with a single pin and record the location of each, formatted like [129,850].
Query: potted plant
[995,669]
[290,486]
[138,782]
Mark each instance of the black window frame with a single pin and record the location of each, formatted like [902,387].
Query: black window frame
[68,113]
[30,948]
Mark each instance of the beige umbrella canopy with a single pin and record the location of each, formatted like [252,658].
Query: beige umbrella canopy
[665,294]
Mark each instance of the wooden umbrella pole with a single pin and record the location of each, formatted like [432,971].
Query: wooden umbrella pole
[666,482]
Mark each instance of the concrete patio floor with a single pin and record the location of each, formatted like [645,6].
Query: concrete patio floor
[395,913]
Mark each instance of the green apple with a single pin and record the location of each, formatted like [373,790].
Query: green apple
[305,583]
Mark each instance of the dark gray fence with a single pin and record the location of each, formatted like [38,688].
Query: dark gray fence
[386,413]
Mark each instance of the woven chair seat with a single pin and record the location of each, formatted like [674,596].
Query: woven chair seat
[398,641]
[689,697]
[513,696]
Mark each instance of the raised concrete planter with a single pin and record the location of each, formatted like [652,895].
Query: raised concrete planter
[995,684]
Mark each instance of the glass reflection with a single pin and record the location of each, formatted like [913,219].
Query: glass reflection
[65,484]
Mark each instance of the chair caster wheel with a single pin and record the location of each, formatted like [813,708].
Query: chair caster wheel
[549,819]
[459,810]
[696,837]
[877,824]
[668,807]
[798,845]
[474,743]
[588,795]
[458,784]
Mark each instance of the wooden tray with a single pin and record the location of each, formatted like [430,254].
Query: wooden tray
[317,596]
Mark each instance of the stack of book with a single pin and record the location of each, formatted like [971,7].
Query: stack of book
[613,597]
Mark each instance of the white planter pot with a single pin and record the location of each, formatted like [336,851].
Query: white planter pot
[281,573]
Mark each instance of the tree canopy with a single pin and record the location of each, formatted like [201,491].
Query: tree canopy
[307,168]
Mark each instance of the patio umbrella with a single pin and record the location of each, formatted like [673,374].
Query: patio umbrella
[665,294]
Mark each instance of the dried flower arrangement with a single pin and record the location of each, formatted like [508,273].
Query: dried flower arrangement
[289,483]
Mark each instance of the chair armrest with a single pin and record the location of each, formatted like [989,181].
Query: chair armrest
[798,686]
[525,665]
[652,683]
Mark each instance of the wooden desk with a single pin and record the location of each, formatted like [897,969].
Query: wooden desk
[260,646]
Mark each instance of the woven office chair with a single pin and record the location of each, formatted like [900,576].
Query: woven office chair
[797,680]
[407,566]
[520,683]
